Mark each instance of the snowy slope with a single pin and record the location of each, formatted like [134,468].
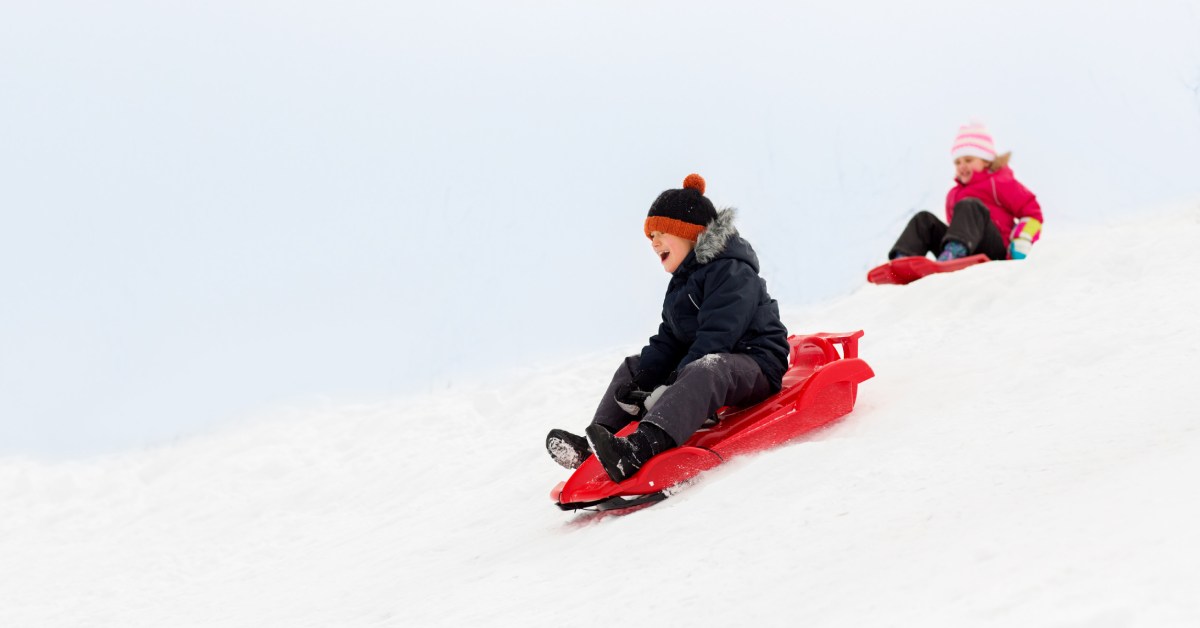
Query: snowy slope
[1025,456]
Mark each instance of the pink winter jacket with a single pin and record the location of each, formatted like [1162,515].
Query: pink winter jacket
[1005,197]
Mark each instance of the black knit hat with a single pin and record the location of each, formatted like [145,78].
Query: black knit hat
[684,212]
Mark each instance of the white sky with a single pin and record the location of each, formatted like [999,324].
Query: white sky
[209,209]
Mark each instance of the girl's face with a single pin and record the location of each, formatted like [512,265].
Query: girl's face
[966,167]
[671,249]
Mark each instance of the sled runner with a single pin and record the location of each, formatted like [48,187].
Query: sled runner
[905,270]
[819,386]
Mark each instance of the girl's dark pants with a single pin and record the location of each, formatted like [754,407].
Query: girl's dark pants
[701,388]
[972,225]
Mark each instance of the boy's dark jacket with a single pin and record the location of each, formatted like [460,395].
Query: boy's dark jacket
[716,303]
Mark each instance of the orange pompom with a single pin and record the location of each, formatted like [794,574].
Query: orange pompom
[694,181]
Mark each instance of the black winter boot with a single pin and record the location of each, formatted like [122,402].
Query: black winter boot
[622,457]
[567,449]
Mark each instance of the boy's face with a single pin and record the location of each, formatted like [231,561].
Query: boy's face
[671,249]
[966,167]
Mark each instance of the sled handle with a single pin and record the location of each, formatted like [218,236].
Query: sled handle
[803,348]
[848,340]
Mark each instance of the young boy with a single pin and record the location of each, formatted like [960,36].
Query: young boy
[720,342]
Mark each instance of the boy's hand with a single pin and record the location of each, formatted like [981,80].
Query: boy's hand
[631,398]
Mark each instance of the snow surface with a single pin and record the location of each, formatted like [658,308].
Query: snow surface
[1026,456]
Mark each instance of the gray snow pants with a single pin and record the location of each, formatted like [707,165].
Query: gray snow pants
[715,380]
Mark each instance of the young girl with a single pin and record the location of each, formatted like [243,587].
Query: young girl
[989,211]
[720,342]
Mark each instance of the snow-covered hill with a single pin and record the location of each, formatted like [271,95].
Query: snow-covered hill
[1026,456]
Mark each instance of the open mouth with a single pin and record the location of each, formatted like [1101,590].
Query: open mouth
[664,255]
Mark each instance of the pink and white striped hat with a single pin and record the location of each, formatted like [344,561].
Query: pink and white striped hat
[974,141]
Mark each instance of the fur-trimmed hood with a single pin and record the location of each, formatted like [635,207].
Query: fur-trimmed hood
[720,239]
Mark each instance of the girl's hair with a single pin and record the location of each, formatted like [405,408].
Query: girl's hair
[1000,161]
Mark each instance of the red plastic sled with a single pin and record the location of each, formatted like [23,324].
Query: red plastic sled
[818,387]
[905,270]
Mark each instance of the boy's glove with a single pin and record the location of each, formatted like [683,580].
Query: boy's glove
[1023,236]
[631,398]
